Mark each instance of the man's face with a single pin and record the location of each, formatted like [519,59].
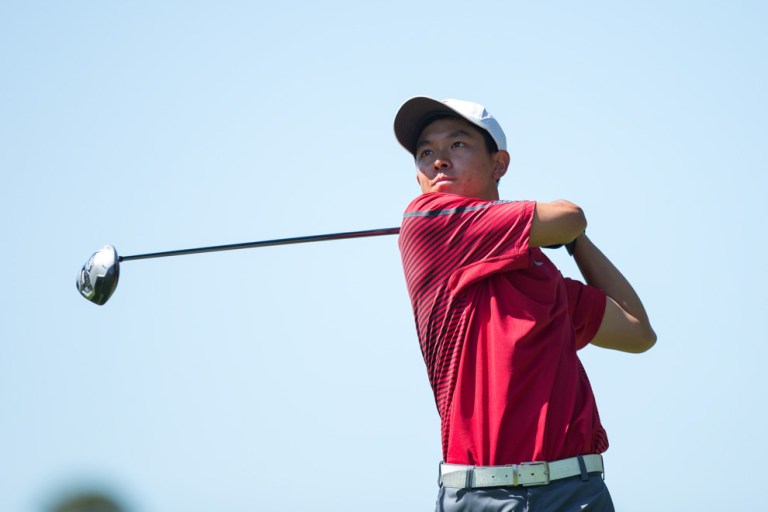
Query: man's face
[452,157]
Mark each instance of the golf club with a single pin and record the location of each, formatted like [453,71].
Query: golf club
[97,280]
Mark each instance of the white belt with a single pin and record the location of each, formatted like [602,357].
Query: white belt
[527,473]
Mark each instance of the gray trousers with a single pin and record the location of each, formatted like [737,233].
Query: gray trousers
[567,495]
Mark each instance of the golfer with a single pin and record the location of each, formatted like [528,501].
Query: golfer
[500,327]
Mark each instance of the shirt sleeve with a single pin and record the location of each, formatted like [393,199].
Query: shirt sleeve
[469,239]
[586,305]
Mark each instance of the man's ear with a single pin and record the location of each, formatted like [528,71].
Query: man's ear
[500,164]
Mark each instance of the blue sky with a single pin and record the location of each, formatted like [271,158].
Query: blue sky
[288,377]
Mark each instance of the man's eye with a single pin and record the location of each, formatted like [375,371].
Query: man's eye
[458,144]
[425,153]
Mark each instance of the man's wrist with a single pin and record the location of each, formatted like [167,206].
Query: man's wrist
[571,246]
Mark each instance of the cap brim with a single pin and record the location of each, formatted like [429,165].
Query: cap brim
[408,121]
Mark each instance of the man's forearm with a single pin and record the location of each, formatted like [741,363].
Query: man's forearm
[600,272]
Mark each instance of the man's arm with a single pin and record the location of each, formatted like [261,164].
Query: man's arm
[625,324]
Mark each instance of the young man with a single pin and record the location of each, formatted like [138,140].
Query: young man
[499,326]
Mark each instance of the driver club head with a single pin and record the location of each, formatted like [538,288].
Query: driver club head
[98,278]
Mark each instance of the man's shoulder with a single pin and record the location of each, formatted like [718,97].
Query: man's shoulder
[435,204]
[438,200]
[433,200]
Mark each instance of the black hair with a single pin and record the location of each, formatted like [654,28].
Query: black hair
[490,144]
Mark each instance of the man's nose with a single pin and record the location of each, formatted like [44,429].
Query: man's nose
[441,163]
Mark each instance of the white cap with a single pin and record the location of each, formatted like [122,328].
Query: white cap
[413,114]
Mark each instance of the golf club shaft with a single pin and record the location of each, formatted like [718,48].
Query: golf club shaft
[265,243]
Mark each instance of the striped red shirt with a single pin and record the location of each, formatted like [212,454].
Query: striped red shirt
[499,328]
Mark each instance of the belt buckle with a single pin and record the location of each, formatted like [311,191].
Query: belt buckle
[533,473]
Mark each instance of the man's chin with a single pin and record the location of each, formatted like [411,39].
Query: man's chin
[445,187]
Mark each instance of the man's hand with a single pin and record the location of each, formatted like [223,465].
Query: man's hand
[556,224]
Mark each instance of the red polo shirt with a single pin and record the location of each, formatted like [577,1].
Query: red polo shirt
[499,328]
